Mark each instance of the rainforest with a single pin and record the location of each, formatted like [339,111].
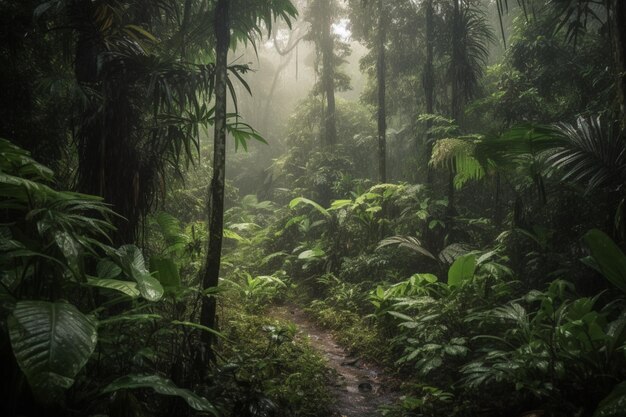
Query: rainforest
[313,208]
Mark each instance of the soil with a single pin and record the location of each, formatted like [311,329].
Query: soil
[360,388]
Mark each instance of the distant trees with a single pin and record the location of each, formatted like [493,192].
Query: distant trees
[369,23]
[322,14]
[576,17]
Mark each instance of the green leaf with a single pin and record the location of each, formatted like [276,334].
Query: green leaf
[131,256]
[69,248]
[172,233]
[408,242]
[162,386]
[614,404]
[301,200]
[127,287]
[609,258]
[197,326]
[134,265]
[401,316]
[142,32]
[461,270]
[108,269]
[149,287]
[339,204]
[311,253]
[166,271]
[129,317]
[52,343]
[229,234]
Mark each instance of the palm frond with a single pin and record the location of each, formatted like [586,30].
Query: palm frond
[592,154]
[408,242]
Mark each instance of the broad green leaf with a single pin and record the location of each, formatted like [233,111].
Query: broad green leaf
[461,270]
[149,287]
[608,256]
[134,265]
[129,317]
[131,256]
[401,316]
[311,253]
[339,204]
[614,404]
[108,269]
[52,343]
[421,278]
[69,248]
[162,386]
[166,271]
[172,232]
[229,234]
[127,287]
[301,200]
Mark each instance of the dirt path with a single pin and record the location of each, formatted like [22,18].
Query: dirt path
[360,388]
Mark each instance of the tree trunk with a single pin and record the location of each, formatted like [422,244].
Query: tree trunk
[328,76]
[457,96]
[456,89]
[620,56]
[380,75]
[216,192]
[429,88]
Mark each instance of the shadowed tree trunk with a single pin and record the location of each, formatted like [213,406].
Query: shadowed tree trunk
[328,75]
[429,87]
[380,77]
[216,191]
[620,56]
[108,163]
[456,89]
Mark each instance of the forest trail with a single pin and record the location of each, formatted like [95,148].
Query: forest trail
[359,388]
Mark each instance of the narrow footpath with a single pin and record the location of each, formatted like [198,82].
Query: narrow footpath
[360,388]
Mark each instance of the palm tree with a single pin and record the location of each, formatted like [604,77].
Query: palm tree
[469,39]
[590,154]
[470,36]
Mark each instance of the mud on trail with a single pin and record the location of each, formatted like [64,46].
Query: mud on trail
[360,388]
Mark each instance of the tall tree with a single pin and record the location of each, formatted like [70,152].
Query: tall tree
[321,14]
[370,21]
[470,36]
[428,80]
[242,19]
[619,35]
[328,69]
[380,78]
[216,191]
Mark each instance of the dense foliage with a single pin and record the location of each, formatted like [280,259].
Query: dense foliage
[142,262]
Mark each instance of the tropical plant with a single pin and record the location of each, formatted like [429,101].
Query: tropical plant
[63,285]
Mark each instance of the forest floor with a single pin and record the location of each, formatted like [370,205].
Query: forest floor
[360,388]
